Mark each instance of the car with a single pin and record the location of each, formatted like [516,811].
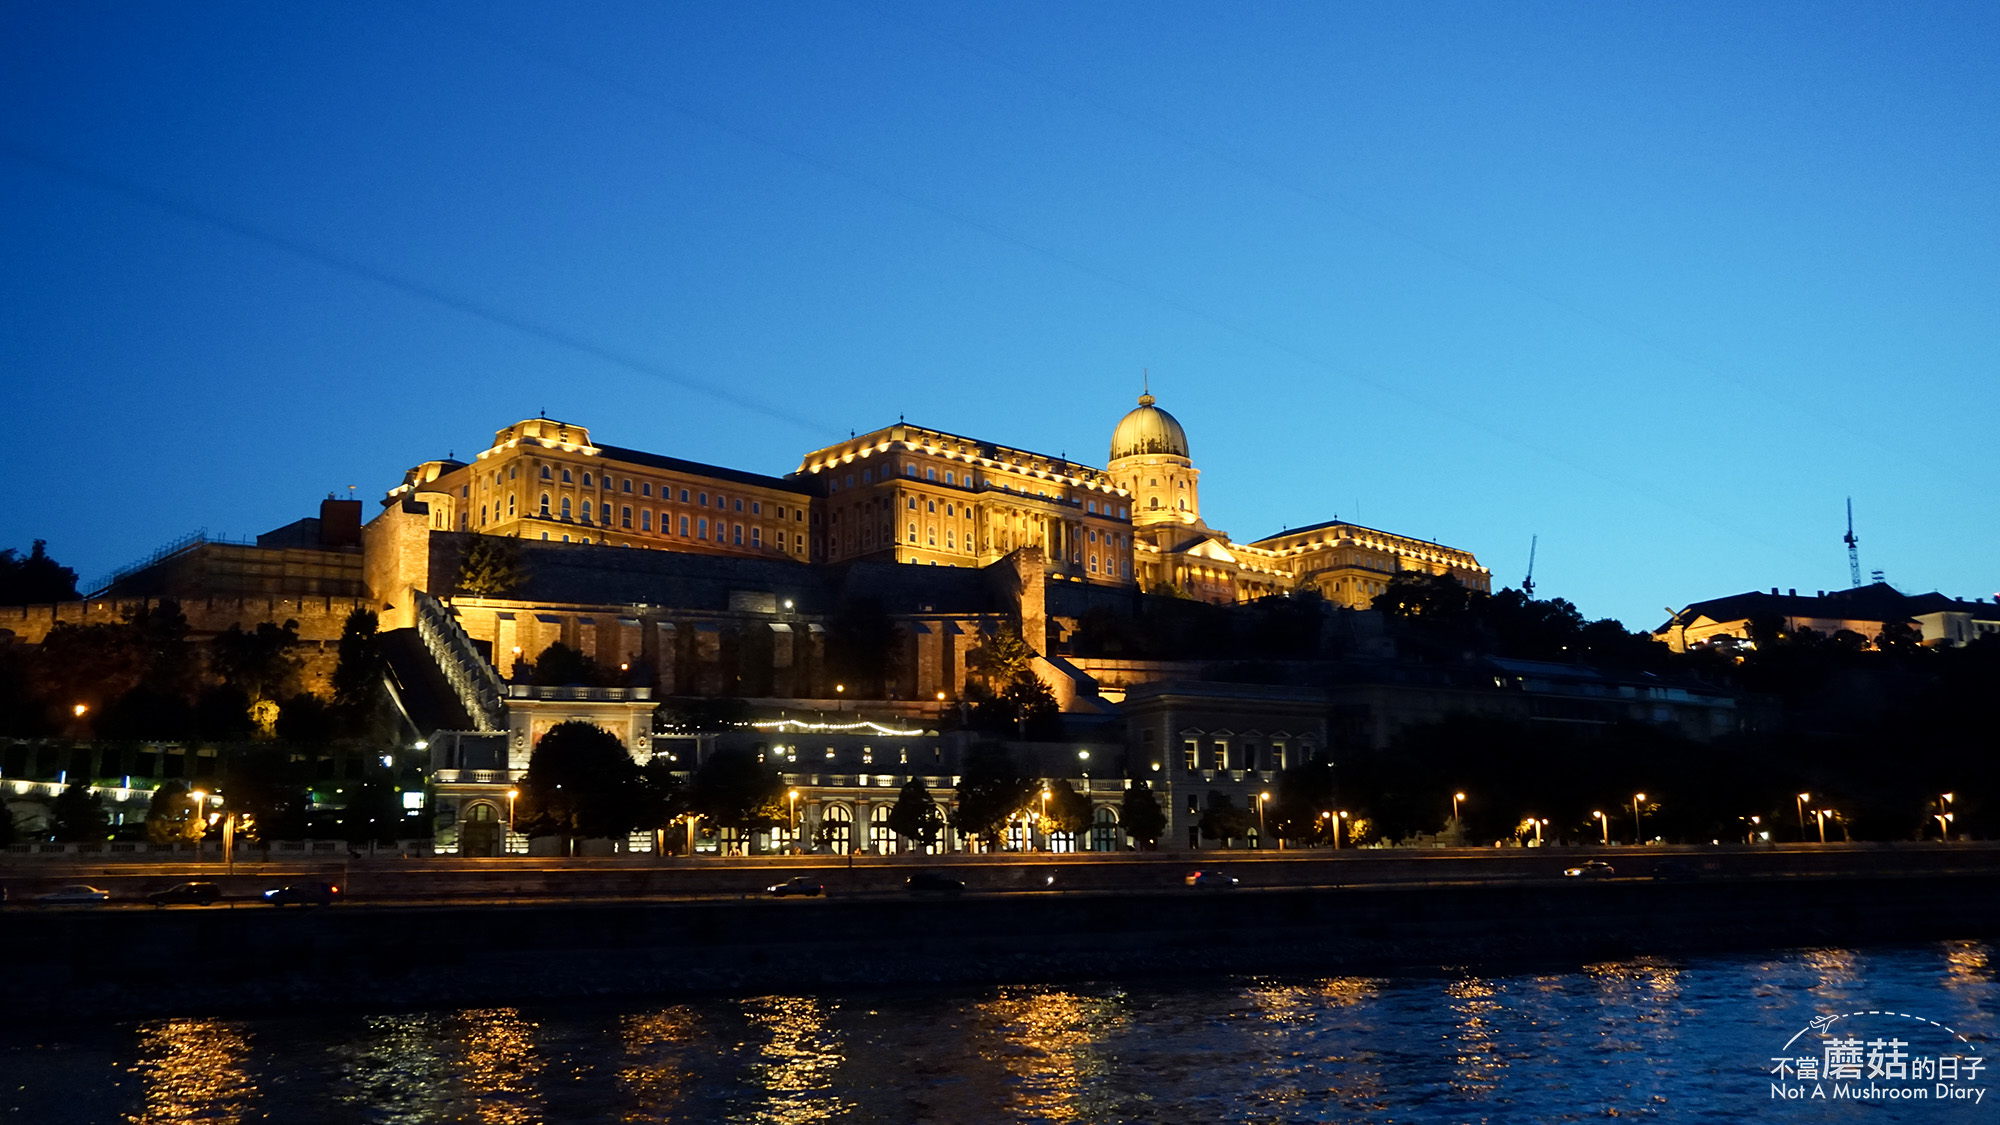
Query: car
[934,881]
[1210,877]
[194,894]
[1595,869]
[798,885]
[303,894]
[77,893]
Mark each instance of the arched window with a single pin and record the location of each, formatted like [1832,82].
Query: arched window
[586,480]
[510,506]
[545,503]
[545,473]
[566,477]
[913,533]
[1154,503]
[836,827]
[881,838]
[565,507]
[1104,834]
[586,511]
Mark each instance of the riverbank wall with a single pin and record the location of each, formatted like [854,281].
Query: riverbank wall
[130,963]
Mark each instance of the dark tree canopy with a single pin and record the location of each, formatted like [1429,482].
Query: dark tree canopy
[560,665]
[260,663]
[915,816]
[1140,815]
[581,782]
[359,674]
[990,792]
[36,579]
[77,815]
[492,567]
[734,789]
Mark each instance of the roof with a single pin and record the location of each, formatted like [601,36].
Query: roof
[1878,602]
[1148,429]
[697,468]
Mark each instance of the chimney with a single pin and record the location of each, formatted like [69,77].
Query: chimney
[1795,591]
[1774,591]
[339,523]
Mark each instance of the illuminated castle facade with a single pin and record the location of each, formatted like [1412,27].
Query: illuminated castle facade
[912,495]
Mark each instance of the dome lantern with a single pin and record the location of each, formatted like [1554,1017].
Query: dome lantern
[1148,429]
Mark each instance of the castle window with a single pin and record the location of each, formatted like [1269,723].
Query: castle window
[586,511]
[949,541]
[931,473]
[545,503]
[947,478]
[781,541]
[586,480]
[1128,568]
[756,537]
[739,503]
[930,533]
[913,533]
[909,470]
[1183,505]
[1155,502]
[566,477]
[510,507]
[512,471]
[913,503]
[482,515]
[701,528]
[684,495]
[948,510]
[545,536]
[704,499]
[798,515]
[645,521]
[645,488]
[867,475]
[684,527]
[756,508]
[625,486]
[1122,513]
[625,517]
[1153,483]
[738,538]
[545,473]
[930,505]
[1093,564]
[565,507]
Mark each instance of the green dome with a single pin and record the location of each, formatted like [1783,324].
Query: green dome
[1148,429]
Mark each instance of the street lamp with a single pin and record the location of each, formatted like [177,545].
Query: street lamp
[794,828]
[1605,824]
[1456,827]
[1336,829]
[507,845]
[1261,798]
[1820,815]
[1944,818]
[1638,836]
[1803,798]
[840,694]
[1045,816]
[79,709]
[1538,829]
[1750,837]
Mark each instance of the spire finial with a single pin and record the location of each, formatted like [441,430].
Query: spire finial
[1145,386]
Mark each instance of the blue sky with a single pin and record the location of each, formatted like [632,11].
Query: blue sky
[1662,286]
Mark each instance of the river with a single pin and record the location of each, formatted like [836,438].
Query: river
[1680,1040]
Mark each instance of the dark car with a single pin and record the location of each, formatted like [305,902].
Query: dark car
[1211,878]
[798,885]
[193,894]
[303,894]
[935,882]
[1595,869]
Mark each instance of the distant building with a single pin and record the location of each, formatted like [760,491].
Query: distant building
[1863,610]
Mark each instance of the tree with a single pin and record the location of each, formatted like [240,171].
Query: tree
[1069,811]
[35,579]
[1140,815]
[1419,593]
[559,665]
[915,816]
[492,568]
[1222,820]
[359,673]
[990,793]
[1002,659]
[260,663]
[77,815]
[268,789]
[662,799]
[733,788]
[174,817]
[581,781]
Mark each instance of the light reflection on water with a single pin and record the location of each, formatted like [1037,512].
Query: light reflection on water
[1664,1040]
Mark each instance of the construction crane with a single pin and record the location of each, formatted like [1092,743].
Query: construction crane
[1528,583]
[1853,553]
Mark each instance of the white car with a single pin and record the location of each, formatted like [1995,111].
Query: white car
[74,893]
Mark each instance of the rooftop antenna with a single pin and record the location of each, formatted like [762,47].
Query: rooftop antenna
[1853,554]
[1528,583]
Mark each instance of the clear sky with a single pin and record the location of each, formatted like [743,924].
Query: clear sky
[1661,284]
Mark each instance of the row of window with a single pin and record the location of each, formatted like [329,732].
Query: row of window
[1246,755]
[953,479]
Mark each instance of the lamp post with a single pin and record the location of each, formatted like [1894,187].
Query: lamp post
[1045,816]
[1261,799]
[1335,825]
[200,811]
[1455,825]
[1750,837]
[1803,798]
[1820,815]
[1944,817]
[507,845]
[840,695]
[1538,830]
[1638,835]
[793,829]
[1604,824]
